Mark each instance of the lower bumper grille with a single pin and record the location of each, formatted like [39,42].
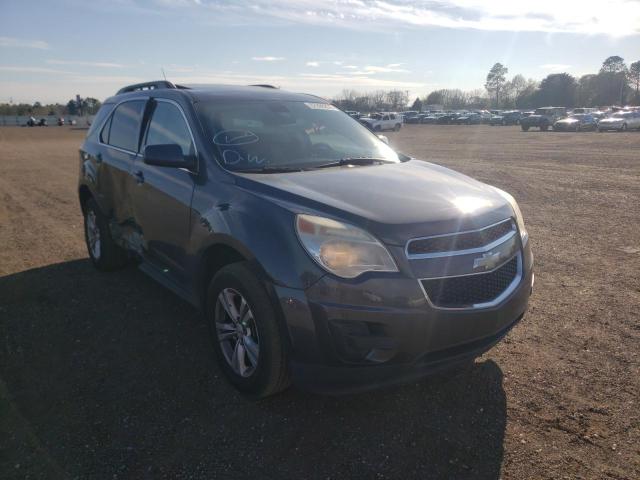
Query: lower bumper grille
[471,290]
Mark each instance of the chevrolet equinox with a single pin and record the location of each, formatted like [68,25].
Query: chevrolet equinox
[318,254]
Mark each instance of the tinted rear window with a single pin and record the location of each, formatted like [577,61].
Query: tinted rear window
[125,125]
[104,111]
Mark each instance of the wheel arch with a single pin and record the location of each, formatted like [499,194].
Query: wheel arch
[225,251]
[84,195]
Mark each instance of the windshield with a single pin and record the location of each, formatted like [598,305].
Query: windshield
[252,135]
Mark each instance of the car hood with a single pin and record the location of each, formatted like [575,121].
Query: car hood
[393,201]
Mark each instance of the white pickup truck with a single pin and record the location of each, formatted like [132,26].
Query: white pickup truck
[382,121]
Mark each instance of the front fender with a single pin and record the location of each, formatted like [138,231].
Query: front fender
[259,229]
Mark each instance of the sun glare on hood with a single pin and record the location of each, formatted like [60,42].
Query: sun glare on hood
[470,204]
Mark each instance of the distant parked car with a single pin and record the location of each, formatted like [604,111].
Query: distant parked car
[543,118]
[31,122]
[60,122]
[42,122]
[412,117]
[511,117]
[576,123]
[473,118]
[447,119]
[583,110]
[620,121]
[528,113]
[352,114]
[378,122]
[431,118]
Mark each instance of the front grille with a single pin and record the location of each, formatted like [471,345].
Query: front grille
[467,291]
[460,241]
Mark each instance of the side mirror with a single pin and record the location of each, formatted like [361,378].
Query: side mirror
[168,155]
[384,139]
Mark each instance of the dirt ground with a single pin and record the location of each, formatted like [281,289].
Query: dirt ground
[110,376]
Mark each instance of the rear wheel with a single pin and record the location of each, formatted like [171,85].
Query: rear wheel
[105,254]
[245,332]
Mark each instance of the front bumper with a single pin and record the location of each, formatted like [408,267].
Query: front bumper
[354,335]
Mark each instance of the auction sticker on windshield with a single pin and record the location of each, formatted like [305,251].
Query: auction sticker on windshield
[320,106]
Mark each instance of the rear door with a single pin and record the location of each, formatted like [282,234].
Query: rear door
[118,145]
[162,195]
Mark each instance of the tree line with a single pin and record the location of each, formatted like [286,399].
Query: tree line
[75,106]
[614,84]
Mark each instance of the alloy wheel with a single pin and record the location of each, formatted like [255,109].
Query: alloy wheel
[237,332]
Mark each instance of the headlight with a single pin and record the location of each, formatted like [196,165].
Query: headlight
[342,249]
[518,214]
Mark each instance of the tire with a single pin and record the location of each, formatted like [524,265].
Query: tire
[396,127]
[377,128]
[525,128]
[266,367]
[105,254]
[544,127]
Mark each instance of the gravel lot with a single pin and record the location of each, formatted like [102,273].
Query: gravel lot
[109,376]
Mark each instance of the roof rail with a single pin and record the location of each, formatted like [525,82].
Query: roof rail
[264,85]
[158,84]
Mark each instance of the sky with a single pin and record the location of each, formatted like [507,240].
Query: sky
[52,50]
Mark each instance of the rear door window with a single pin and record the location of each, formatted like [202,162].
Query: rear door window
[125,126]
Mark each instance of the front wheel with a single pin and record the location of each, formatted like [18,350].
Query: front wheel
[245,332]
[105,254]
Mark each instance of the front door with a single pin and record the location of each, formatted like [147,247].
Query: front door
[162,195]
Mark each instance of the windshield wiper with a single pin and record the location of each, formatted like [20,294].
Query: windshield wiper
[353,161]
[268,169]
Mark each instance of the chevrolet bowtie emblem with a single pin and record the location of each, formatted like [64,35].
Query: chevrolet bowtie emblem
[488,261]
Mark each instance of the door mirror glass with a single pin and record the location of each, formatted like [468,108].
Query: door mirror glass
[167,155]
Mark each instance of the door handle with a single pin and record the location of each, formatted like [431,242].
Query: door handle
[139,176]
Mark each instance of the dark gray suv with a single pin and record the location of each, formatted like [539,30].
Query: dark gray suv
[317,253]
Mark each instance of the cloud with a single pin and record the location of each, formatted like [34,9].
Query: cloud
[312,64]
[267,59]
[85,64]
[388,69]
[11,42]
[611,17]
[555,67]
[12,69]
